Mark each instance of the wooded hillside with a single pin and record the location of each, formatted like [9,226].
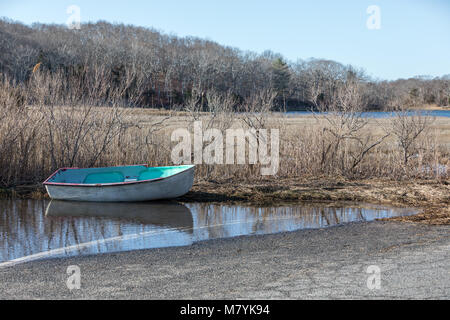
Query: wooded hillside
[105,63]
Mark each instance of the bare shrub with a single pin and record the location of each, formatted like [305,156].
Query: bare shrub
[344,142]
[407,128]
[194,106]
[215,109]
[19,129]
[80,134]
[258,107]
[36,140]
[220,110]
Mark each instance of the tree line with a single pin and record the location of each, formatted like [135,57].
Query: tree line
[104,63]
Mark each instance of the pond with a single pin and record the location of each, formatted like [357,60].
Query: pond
[384,114]
[35,229]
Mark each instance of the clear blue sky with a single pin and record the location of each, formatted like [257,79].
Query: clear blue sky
[414,38]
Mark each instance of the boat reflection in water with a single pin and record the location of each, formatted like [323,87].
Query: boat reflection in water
[40,229]
[33,229]
[168,214]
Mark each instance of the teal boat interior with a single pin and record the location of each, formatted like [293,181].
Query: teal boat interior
[113,175]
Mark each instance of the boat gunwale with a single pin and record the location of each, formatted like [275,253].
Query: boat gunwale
[47,183]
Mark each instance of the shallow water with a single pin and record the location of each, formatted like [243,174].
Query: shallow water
[38,228]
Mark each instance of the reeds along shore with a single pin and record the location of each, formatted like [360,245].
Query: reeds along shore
[42,129]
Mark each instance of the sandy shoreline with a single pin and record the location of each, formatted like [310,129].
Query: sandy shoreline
[330,263]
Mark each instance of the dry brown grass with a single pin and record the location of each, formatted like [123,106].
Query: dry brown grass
[35,140]
[143,136]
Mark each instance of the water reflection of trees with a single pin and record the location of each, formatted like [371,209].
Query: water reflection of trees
[25,230]
[212,221]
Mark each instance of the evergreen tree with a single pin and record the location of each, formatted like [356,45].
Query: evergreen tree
[280,78]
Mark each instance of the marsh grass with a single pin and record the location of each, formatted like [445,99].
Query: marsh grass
[38,138]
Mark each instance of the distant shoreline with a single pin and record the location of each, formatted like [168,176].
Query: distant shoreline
[417,108]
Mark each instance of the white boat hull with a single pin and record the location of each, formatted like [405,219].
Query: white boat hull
[168,188]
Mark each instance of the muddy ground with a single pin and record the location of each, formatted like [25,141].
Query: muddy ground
[433,197]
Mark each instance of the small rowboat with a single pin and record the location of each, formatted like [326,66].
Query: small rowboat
[120,184]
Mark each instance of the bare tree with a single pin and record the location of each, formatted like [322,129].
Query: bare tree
[344,145]
[407,126]
[258,107]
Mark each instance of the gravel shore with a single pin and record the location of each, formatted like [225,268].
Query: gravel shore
[414,260]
